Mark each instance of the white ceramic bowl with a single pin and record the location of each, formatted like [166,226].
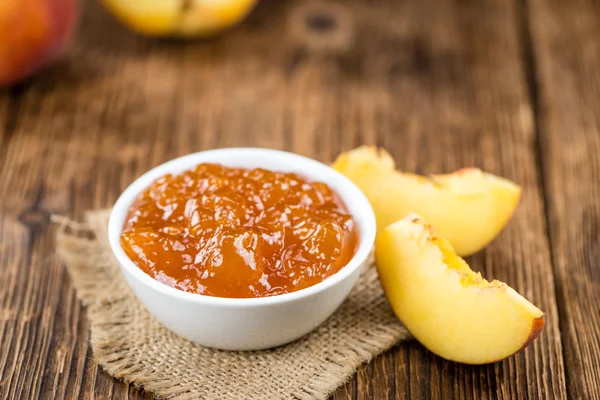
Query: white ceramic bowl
[255,323]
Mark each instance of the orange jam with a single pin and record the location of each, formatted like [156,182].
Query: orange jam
[233,232]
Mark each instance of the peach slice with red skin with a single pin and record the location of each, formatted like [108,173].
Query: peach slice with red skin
[450,309]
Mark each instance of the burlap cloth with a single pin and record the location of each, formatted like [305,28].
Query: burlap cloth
[131,345]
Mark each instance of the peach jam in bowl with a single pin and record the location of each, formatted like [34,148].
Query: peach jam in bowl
[241,248]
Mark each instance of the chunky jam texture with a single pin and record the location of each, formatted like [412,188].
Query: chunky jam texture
[232,232]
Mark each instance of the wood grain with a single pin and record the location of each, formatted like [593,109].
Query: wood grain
[567,56]
[440,84]
[459,96]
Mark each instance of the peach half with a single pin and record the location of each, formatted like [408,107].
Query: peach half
[468,207]
[450,309]
[183,18]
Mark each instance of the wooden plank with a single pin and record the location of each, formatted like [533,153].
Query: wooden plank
[567,56]
[383,382]
[346,391]
[9,110]
[440,84]
[364,378]
[6,128]
[446,88]
[458,96]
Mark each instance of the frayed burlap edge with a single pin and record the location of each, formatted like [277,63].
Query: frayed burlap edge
[131,345]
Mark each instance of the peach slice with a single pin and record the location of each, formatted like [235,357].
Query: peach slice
[468,207]
[450,309]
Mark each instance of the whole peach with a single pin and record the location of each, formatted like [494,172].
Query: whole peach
[33,33]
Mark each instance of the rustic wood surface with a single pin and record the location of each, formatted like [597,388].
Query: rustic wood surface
[510,86]
[568,111]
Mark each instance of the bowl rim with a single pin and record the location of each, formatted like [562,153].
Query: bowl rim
[366,233]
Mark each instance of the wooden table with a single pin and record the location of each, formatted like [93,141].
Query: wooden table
[510,86]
